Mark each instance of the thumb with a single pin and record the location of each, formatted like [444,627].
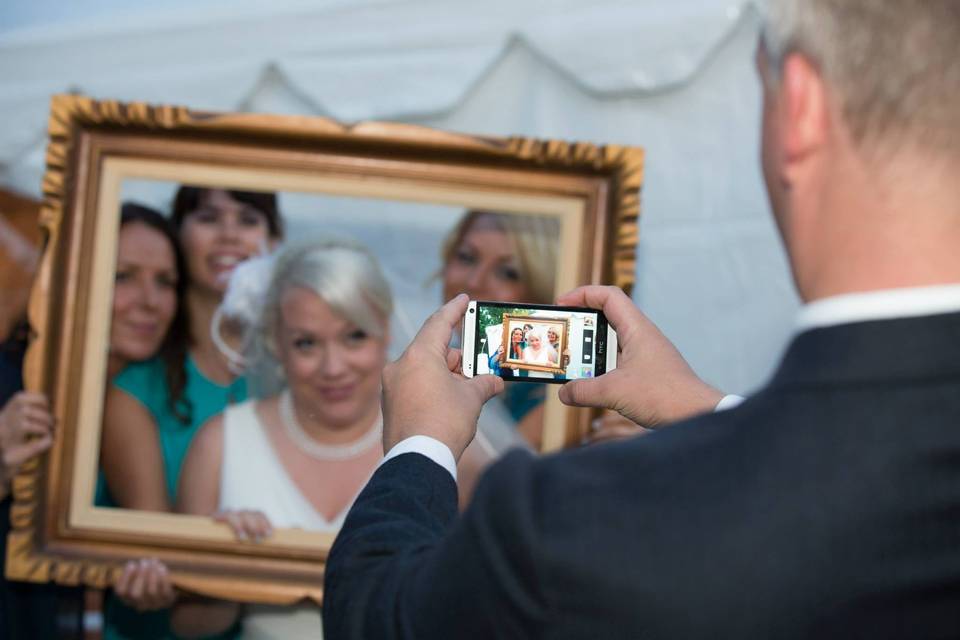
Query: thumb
[591,392]
[486,385]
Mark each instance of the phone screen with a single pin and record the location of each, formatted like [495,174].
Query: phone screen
[536,343]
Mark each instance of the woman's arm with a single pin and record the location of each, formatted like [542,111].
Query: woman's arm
[198,493]
[132,464]
[130,455]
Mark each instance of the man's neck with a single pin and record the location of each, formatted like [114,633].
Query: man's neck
[891,229]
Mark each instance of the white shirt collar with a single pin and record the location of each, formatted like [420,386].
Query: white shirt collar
[879,305]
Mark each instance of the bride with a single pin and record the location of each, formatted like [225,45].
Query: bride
[538,351]
[298,458]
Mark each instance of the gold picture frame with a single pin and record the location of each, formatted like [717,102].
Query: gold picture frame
[57,535]
[510,323]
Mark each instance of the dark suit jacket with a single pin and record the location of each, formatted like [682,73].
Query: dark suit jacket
[825,506]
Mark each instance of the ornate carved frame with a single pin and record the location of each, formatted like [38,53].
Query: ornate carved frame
[507,318]
[53,536]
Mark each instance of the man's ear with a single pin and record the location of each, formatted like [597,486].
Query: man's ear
[804,110]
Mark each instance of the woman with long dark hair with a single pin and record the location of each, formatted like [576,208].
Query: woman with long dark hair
[155,407]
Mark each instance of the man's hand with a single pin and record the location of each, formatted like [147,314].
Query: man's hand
[424,392]
[612,426]
[652,385]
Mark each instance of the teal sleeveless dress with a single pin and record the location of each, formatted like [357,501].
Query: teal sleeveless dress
[146,381]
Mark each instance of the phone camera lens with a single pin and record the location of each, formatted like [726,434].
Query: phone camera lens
[471,310]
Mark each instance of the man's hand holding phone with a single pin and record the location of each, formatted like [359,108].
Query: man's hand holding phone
[424,392]
[652,385]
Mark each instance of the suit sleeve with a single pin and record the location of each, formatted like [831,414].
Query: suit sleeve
[405,567]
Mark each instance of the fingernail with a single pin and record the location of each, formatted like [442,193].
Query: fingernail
[144,562]
[130,565]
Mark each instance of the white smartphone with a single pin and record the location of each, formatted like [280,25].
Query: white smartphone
[536,343]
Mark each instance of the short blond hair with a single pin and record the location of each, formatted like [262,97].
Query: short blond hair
[536,240]
[894,65]
[344,273]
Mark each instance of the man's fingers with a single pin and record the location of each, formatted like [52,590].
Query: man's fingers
[453,360]
[435,332]
[613,434]
[589,392]
[593,296]
[488,385]
[615,304]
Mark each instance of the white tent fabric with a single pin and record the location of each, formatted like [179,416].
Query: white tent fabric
[675,78]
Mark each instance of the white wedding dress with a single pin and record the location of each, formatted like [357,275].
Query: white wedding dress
[252,477]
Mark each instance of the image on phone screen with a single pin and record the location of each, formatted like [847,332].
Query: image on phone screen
[538,343]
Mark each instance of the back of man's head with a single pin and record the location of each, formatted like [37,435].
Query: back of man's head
[893,65]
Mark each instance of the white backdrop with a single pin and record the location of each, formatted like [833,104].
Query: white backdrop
[675,78]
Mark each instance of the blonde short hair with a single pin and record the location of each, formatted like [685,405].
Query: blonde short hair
[535,239]
[893,64]
[344,273]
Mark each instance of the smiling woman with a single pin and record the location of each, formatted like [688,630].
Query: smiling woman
[219,228]
[147,317]
[299,458]
[497,256]
[145,289]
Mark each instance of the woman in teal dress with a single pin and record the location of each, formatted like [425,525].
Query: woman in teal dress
[154,408]
[148,322]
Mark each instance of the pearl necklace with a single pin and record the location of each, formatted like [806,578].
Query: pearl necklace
[318,450]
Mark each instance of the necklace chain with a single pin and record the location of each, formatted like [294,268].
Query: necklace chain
[320,451]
